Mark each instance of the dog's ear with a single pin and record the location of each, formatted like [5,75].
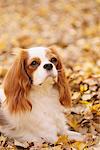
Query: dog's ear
[62,83]
[17,84]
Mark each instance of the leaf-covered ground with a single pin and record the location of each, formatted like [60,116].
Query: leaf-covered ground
[73,26]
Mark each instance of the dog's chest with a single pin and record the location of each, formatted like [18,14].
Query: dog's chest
[45,116]
[45,104]
[46,112]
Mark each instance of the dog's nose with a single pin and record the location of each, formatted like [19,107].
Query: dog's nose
[48,66]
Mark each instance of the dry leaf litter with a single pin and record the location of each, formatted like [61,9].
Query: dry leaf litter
[73,26]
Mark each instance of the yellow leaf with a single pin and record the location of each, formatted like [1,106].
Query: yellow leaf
[62,140]
[84,87]
[73,122]
[79,145]
[95,107]
[88,104]
[2,140]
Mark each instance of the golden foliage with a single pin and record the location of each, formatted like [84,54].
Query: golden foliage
[74,28]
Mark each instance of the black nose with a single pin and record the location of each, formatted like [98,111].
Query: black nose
[48,66]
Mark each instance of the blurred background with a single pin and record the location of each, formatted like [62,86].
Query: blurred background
[73,26]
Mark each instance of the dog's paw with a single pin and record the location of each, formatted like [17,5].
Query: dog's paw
[76,136]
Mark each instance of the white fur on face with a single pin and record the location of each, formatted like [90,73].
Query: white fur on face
[41,74]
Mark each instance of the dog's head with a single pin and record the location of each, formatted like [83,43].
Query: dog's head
[33,67]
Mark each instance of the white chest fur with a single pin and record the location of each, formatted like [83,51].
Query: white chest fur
[47,113]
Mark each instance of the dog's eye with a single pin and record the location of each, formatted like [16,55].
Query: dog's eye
[34,63]
[53,60]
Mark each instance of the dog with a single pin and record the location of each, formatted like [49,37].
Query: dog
[34,96]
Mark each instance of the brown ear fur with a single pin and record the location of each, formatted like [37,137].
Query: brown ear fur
[62,84]
[17,85]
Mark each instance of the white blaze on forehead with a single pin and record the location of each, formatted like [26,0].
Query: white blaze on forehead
[38,52]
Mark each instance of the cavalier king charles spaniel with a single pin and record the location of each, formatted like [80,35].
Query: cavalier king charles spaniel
[34,96]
